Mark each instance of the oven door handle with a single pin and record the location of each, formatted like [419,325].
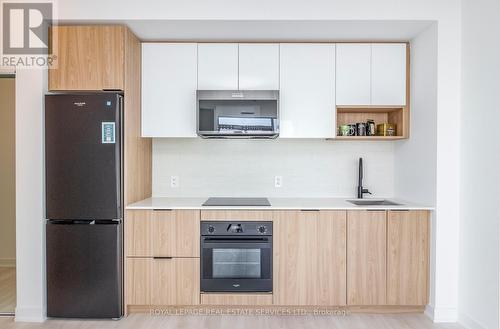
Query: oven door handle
[235,240]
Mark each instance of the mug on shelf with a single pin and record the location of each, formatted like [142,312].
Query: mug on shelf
[347,130]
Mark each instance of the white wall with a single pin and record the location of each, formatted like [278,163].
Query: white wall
[445,12]
[7,172]
[415,158]
[480,159]
[312,168]
[30,214]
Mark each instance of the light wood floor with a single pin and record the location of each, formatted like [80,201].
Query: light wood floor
[141,321]
[7,289]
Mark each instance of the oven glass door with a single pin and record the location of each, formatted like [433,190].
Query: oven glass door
[236,264]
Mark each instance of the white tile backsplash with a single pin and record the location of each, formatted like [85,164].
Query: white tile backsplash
[310,168]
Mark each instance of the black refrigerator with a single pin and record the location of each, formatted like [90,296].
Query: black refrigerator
[84,205]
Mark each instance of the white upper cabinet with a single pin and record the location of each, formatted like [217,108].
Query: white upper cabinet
[259,66]
[307,90]
[353,74]
[218,66]
[388,74]
[371,74]
[169,78]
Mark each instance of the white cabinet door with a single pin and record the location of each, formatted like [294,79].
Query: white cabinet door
[307,90]
[218,66]
[353,74]
[169,89]
[259,66]
[388,74]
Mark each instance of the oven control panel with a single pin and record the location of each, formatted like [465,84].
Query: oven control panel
[236,228]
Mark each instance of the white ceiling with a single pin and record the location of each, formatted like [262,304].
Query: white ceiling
[274,30]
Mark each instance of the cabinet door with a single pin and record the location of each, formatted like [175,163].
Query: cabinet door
[310,258]
[138,233]
[408,258]
[169,82]
[353,74]
[388,74]
[218,66]
[176,233]
[307,90]
[176,281]
[259,66]
[138,276]
[366,257]
[88,58]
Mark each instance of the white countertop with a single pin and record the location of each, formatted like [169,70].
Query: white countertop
[276,204]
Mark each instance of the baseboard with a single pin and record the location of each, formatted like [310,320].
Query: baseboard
[29,314]
[441,314]
[7,262]
[466,322]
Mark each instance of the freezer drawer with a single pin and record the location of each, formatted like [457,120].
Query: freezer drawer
[84,269]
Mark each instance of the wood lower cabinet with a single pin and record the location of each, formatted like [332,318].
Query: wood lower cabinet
[310,258]
[176,233]
[162,265]
[408,257]
[255,299]
[89,57]
[366,257]
[138,281]
[138,233]
[176,281]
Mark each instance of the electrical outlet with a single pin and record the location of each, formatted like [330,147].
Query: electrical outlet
[174,181]
[278,181]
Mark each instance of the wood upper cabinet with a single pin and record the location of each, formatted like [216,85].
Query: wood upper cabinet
[408,258]
[307,91]
[176,281]
[218,66]
[176,233]
[89,57]
[259,67]
[366,257]
[169,83]
[309,258]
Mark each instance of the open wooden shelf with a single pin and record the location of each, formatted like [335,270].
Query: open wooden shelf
[397,115]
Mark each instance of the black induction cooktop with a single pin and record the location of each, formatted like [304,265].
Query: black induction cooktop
[237,202]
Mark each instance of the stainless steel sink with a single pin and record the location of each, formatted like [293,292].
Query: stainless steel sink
[373,202]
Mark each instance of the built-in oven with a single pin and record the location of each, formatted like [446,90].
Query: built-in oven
[236,256]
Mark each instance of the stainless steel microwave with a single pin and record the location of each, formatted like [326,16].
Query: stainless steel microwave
[237,113]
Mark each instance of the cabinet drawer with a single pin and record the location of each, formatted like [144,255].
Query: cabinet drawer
[176,233]
[138,233]
[176,281]
[237,299]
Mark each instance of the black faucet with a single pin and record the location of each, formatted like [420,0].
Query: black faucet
[361,190]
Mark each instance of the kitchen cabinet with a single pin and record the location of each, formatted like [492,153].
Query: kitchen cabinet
[408,257]
[169,83]
[366,257]
[258,66]
[307,90]
[176,281]
[310,258]
[176,233]
[218,66]
[240,299]
[90,57]
[388,72]
[138,281]
[138,233]
[353,74]
[371,74]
